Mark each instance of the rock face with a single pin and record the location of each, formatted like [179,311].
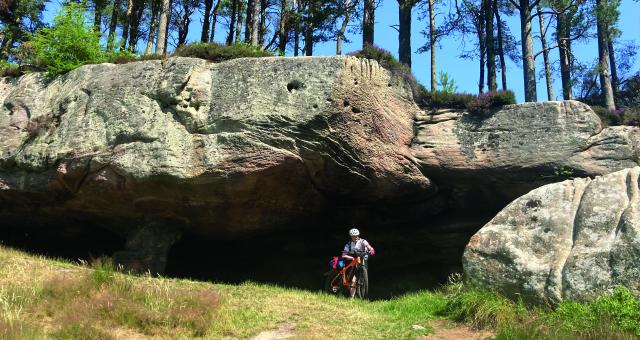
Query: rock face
[153,151]
[568,240]
[520,147]
[212,147]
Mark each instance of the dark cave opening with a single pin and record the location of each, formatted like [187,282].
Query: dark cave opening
[410,255]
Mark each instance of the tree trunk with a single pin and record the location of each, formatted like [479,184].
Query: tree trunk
[255,24]
[368,21]
[97,16]
[603,58]
[206,17]
[614,71]
[166,36]
[564,51]
[155,7]
[481,42]
[503,65]
[528,64]
[404,35]
[136,16]
[545,56]
[214,20]
[296,40]
[491,55]
[432,43]
[232,22]
[283,32]
[113,23]
[343,27]
[240,18]
[125,25]
[262,31]
[251,4]
[308,31]
[161,46]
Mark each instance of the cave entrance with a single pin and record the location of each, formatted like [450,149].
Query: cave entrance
[407,259]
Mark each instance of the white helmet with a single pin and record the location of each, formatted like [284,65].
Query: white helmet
[354,232]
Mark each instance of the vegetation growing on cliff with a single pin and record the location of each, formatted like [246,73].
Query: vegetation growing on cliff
[42,298]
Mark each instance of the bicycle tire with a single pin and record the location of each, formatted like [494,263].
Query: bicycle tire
[333,275]
[362,283]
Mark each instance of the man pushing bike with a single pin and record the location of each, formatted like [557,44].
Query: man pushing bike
[357,246]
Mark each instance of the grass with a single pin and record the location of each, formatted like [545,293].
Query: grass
[42,298]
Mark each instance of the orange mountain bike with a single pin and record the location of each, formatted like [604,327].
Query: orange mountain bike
[341,281]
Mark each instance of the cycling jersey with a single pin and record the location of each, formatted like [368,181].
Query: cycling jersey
[359,246]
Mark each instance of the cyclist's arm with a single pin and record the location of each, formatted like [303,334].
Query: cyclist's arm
[345,252]
[368,247]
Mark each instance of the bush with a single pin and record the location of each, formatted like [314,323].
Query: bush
[68,44]
[217,52]
[8,69]
[125,57]
[622,116]
[485,102]
[450,100]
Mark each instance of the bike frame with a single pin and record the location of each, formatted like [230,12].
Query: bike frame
[346,282]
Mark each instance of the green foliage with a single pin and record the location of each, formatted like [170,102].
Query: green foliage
[217,52]
[69,43]
[564,171]
[126,56]
[103,271]
[622,116]
[8,69]
[440,99]
[485,102]
[447,84]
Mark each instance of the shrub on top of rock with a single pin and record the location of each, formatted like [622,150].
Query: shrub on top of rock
[218,53]
[8,69]
[485,102]
[443,99]
[621,116]
[68,44]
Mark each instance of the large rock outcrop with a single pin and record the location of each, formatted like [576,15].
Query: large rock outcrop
[520,147]
[212,147]
[568,240]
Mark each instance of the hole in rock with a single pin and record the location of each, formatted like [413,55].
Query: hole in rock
[295,85]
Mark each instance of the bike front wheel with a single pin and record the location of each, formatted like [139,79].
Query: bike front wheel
[333,282]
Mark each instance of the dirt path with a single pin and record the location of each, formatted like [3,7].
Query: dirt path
[283,332]
[449,330]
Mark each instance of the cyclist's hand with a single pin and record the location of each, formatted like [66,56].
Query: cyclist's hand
[372,252]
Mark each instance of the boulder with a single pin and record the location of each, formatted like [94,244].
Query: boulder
[565,241]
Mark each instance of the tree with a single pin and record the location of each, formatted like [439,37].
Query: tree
[347,9]
[155,11]
[368,21]
[113,23]
[545,54]
[404,30]
[487,8]
[524,8]
[283,25]
[602,23]
[20,19]
[214,19]
[161,45]
[181,19]
[69,43]
[206,17]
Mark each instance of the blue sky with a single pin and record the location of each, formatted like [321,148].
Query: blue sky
[464,72]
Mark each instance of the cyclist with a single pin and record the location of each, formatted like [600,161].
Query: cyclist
[356,245]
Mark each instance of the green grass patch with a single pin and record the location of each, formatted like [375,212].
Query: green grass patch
[40,298]
[8,69]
